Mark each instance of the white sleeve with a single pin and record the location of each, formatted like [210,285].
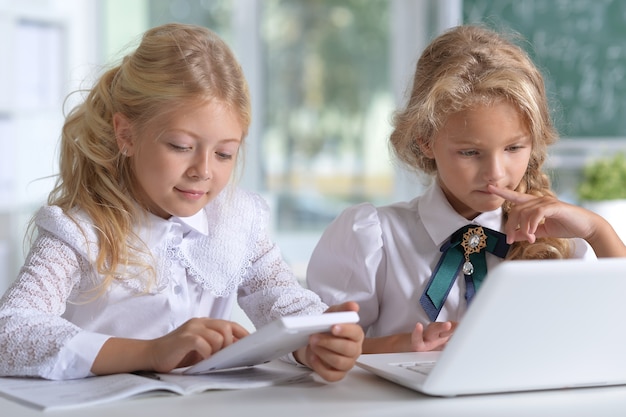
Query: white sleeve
[270,289]
[346,264]
[33,335]
[583,250]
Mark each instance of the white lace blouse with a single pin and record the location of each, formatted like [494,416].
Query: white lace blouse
[53,320]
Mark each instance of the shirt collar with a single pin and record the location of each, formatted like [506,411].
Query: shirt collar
[154,230]
[441,220]
[197,222]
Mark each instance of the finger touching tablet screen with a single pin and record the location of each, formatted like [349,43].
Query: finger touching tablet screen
[275,339]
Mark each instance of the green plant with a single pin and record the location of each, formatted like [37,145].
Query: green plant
[604,179]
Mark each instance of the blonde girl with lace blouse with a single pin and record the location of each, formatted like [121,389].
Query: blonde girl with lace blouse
[477,123]
[145,244]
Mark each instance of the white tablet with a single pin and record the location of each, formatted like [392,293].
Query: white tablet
[272,341]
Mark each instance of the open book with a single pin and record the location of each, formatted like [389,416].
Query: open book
[53,395]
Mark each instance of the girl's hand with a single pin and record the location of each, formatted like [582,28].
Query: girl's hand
[532,217]
[332,355]
[195,340]
[434,337]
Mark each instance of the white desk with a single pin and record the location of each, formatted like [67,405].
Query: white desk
[359,394]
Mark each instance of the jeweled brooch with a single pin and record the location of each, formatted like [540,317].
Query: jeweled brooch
[474,240]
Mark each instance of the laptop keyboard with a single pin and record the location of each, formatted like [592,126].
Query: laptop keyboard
[420,367]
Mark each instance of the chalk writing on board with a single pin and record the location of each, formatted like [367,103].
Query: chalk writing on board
[580,46]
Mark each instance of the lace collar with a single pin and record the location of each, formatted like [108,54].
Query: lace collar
[217,258]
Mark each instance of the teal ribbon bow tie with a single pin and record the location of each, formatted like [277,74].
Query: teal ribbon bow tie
[464,250]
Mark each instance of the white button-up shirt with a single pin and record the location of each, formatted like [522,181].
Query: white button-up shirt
[383,258]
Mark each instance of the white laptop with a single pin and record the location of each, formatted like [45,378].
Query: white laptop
[533,325]
[274,340]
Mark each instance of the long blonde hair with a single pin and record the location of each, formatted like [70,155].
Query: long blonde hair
[469,65]
[174,66]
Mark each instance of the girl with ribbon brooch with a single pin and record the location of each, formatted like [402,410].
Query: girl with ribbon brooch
[477,122]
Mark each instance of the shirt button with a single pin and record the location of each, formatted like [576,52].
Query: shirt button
[178,289]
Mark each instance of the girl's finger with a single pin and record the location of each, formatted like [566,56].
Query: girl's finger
[510,195]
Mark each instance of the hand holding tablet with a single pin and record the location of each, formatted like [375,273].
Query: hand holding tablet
[275,339]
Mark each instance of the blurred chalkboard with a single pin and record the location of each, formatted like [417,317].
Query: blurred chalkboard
[580,46]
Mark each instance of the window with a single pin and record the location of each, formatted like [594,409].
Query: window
[326,108]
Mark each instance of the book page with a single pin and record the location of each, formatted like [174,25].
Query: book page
[49,395]
[45,395]
[252,377]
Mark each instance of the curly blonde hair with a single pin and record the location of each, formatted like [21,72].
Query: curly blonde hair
[470,65]
[175,66]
